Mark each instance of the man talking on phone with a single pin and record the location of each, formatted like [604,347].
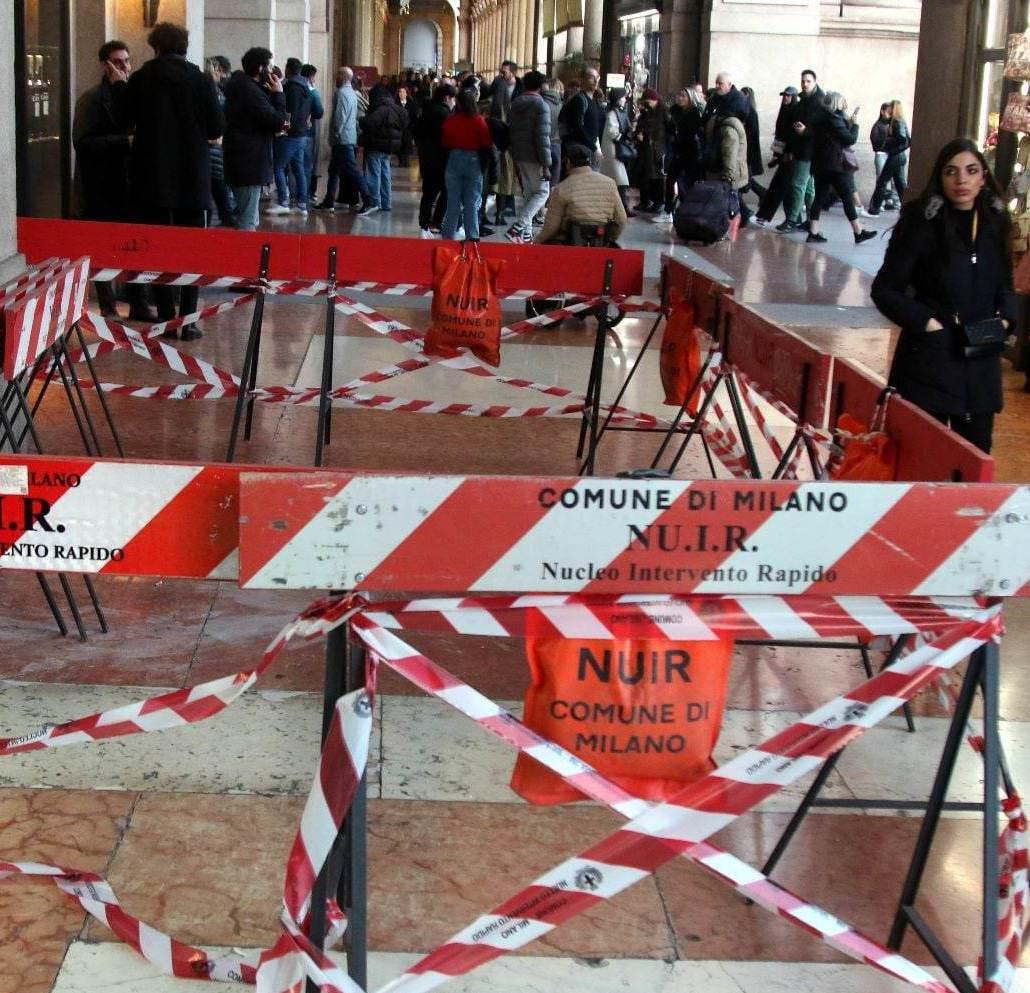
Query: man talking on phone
[255,111]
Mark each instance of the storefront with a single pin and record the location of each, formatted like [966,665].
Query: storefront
[42,107]
[639,44]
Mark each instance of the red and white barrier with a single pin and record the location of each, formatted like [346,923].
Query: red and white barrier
[655,834]
[35,321]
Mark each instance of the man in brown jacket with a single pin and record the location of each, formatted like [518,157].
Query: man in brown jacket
[583,197]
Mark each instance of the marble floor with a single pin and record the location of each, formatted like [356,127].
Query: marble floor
[192,826]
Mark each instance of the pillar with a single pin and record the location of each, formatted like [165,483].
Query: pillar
[505,50]
[232,28]
[11,261]
[943,27]
[593,15]
[529,35]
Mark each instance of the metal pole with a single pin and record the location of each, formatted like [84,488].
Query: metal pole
[992,766]
[252,379]
[956,735]
[88,418]
[100,393]
[250,356]
[355,899]
[325,403]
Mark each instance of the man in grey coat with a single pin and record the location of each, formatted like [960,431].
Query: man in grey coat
[530,129]
[343,139]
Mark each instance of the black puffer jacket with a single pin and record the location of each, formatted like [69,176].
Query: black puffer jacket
[929,272]
[427,132]
[831,134]
[382,128]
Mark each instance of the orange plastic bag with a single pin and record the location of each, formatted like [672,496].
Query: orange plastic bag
[869,455]
[466,312]
[680,358]
[644,712]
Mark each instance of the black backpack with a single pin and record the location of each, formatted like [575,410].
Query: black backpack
[704,211]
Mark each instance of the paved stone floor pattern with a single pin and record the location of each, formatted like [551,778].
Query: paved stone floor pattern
[192,826]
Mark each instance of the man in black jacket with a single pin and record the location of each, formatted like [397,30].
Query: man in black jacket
[382,134]
[432,157]
[290,149]
[801,192]
[583,118]
[255,112]
[103,150]
[174,109]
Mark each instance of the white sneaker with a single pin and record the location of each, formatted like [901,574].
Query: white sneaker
[427,235]
[663,218]
[277,208]
[301,210]
[862,212]
[459,235]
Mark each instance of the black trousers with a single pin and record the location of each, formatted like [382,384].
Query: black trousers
[893,171]
[844,185]
[433,204]
[164,296]
[975,428]
[773,197]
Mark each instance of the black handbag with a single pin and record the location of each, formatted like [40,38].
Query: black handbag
[625,150]
[984,338]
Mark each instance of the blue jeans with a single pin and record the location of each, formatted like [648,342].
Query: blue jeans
[378,178]
[464,178]
[343,165]
[248,199]
[289,154]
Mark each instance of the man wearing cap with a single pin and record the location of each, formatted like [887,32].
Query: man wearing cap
[777,189]
[801,193]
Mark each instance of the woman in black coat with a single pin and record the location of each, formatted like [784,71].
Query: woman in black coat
[947,265]
[832,169]
[651,135]
[755,166]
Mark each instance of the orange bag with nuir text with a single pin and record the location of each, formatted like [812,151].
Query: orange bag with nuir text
[679,361]
[644,712]
[869,455]
[466,312]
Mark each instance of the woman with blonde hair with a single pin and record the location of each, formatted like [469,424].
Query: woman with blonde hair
[834,133]
[896,147]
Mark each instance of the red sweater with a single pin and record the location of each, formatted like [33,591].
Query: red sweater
[467,132]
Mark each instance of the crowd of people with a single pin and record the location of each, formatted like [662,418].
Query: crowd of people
[170,143]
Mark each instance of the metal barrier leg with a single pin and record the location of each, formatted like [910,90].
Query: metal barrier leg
[248,374]
[632,372]
[823,775]
[100,393]
[325,403]
[55,611]
[73,605]
[80,396]
[989,686]
[345,871]
[681,413]
[592,408]
[956,734]
[742,427]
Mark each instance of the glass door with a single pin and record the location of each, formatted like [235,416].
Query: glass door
[42,107]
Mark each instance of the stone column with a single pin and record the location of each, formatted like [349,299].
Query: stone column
[506,49]
[592,21]
[943,27]
[231,27]
[11,261]
[292,20]
[529,35]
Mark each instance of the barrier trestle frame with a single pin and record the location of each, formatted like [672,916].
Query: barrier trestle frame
[37,314]
[281,514]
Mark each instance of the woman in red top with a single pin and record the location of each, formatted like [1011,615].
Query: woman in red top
[467,137]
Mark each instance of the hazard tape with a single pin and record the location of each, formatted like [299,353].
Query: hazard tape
[654,835]
[723,865]
[662,831]
[341,766]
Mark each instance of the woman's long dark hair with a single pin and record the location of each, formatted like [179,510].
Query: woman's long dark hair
[467,102]
[957,146]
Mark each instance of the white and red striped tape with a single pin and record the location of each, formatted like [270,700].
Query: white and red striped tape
[655,834]
[45,314]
